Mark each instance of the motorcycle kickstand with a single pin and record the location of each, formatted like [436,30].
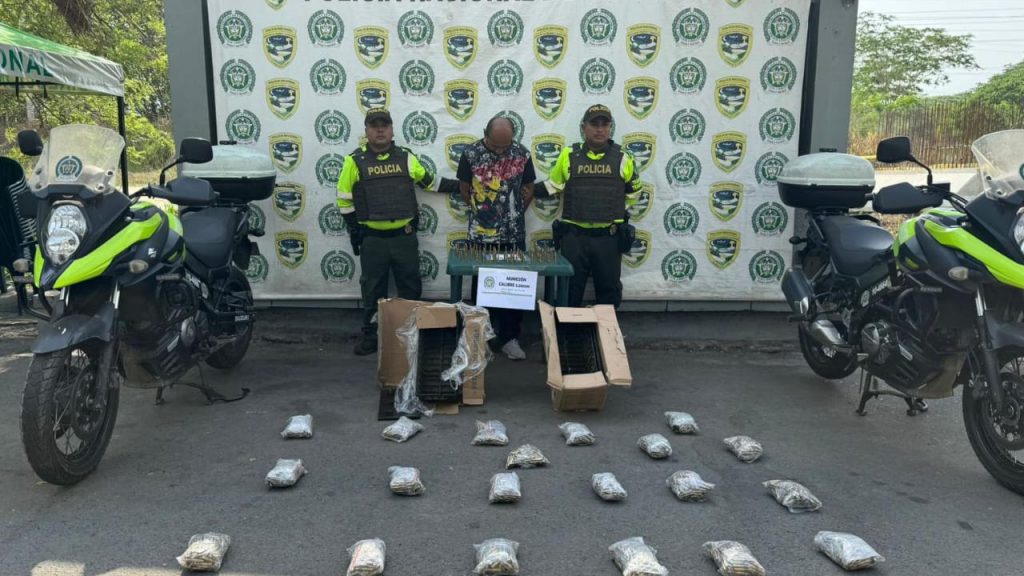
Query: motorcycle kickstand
[212,396]
[869,390]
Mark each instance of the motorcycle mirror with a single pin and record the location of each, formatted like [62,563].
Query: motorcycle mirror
[894,150]
[30,143]
[195,151]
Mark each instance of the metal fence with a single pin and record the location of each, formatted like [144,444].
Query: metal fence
[941,132]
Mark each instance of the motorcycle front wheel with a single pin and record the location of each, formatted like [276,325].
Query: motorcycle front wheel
[825,361]
[67,414]
[998,439]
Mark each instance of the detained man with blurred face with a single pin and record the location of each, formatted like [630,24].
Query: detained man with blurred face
[496,179]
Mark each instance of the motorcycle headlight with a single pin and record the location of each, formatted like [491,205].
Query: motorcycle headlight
[64,232]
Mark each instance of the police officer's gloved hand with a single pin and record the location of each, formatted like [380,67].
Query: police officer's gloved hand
[448,186]
[355,231]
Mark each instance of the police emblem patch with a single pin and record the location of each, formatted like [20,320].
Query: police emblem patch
[460,46]
[289,200]
[291,248]
[598,27]
[505,78]
[690,27]
[237,77]
[332,127]
[234,28]
[725,199]
[415,29]
[640,251]
[280,44]
[777,126]
[546,149]
[681,219]
[733,95]
[505,29]
[243,126]
[550,44]
[679,267]
[769,166]
[416,78]
[328,169]
[643,43]
[734,43]
[728,150]
[331,221]
[641,96]
[419,128]
[683,170]
[373,93]
[770,219]
[688,76]
[325,28]
[461,97]
[338,267]
[371,43]
[283,97]
[767,267]
[687,126]
[723,247]
[597,76]
[286,152]
[549,97]
[642,145]
[327,77]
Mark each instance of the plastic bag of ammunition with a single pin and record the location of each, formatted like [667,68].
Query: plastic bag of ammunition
[490,433]
[402,430]
[682,423]
[793,495]
[367,558]
[205,552]
[607,487]
[285,473]
[847,550]
[299,427]
[745,448]
[505,488]
[733,559]
[576,434]
[526,456]
[497,557]
[688,486]
[636,558]
[656,446]
[405,481]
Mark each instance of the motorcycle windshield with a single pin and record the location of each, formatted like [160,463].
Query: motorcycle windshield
[1000,157]
[79,154]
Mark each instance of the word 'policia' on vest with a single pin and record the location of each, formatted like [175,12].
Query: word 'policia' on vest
[595,191]
[385,190]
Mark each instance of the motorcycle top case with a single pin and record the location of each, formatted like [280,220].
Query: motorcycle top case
[236,173]
[826,180]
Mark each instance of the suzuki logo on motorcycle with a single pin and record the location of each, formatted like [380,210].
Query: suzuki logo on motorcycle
[734,43]
[371,45]
[283,97]
[291,248]
[725,199]
[729,149]
[279,45]
[723,246]
[289,200]
[286,151]
[68,169]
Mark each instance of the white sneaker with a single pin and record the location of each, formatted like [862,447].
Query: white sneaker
[513,351]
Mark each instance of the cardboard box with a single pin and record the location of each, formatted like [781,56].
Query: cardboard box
[592,356]
[392,360]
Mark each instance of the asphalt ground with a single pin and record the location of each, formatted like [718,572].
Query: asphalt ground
[911,487]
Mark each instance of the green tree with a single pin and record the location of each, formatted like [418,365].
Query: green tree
[129,33]
[894,63]
[1005,87]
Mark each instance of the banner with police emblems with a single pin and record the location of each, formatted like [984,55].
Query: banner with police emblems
[706,96]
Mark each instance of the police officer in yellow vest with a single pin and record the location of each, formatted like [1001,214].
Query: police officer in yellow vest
[598,180]
[377,198]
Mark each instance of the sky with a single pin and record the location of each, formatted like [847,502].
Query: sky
[995,24]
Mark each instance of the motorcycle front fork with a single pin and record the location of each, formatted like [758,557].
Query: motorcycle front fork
[989,356]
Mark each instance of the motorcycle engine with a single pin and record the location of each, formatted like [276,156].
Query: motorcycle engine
[898,357]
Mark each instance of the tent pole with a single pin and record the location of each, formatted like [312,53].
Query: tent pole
[124,151]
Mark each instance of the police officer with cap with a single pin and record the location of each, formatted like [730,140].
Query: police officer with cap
[377,197]
[598,180]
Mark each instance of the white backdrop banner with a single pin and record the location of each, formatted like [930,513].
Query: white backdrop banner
[706,95]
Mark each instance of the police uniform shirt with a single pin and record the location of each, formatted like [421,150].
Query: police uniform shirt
[350,175]
[559,176]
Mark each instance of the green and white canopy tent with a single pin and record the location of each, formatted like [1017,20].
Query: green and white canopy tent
[31,63]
